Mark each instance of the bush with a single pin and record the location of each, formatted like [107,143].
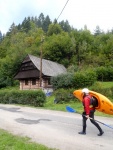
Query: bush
[74,80]
[62,81]
[28,97]
[104,73]
[64,96]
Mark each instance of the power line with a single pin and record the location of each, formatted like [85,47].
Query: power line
[62,10]
[41,48]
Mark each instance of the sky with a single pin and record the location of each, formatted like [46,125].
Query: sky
[79,13]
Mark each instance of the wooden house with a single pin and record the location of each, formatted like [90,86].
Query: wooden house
[29,73]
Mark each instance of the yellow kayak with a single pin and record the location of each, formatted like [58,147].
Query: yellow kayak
[104,104]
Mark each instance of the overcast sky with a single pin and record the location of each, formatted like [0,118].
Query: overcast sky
[78,12]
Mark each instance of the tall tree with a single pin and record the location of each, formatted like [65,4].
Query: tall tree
[46,23]
[26,24]
[65,25]
[83,40]
[12,30]
[58,47]
[97,31]
[41,19]
[54,29]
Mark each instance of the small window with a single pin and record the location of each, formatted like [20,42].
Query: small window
[26,82]
[49,81]
[33,81]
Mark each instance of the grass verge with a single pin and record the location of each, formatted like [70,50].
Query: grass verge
[11,142]
[62,107]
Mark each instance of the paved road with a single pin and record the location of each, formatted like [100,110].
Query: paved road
[55,129]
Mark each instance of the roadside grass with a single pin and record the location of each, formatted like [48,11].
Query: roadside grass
[62,107]
[11,142]
[106,84]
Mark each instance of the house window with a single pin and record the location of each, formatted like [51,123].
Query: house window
[33,81]
[26,82]
[49,81]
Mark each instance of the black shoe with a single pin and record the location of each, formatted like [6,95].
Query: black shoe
[83,133]
[100,134]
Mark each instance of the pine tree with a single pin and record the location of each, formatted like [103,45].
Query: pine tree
[46,23]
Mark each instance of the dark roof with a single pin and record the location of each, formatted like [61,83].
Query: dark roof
[27,74]
[49,68]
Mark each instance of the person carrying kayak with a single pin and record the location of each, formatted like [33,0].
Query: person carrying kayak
[88,113]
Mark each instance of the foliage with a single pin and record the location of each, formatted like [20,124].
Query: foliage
[62,44]
[65,25]
[104,73]
[64,96]
[62,81]
[84,79]
[34,98]
[74,80]
[54,29]
[58,48]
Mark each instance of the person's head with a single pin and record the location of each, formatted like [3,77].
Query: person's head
[85,91]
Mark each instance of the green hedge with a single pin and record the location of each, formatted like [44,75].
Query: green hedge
[84,79]
[62,81]
[104,73]
[74,80]
[24,97]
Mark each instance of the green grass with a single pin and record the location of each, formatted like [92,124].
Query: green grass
[11,142]
[106,84]
[62,107]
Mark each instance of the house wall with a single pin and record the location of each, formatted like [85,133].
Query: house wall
[30,86]
[23,86]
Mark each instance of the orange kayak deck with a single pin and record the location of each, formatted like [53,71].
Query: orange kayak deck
[104,104]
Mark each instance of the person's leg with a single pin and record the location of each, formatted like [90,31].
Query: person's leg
[84,119]
[95,123]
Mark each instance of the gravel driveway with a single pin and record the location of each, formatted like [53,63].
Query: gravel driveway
[55,129]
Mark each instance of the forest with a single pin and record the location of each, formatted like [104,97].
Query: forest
[59,42]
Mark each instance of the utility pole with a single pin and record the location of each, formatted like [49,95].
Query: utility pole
[42,40]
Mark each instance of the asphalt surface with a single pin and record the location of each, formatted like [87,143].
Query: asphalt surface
[55,129]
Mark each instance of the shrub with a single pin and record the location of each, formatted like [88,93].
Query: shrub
[104,73]
[62,81]
[28,97]
[64,96]
[74,80]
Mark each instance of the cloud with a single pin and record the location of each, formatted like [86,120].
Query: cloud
[77,12]
[16,10]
